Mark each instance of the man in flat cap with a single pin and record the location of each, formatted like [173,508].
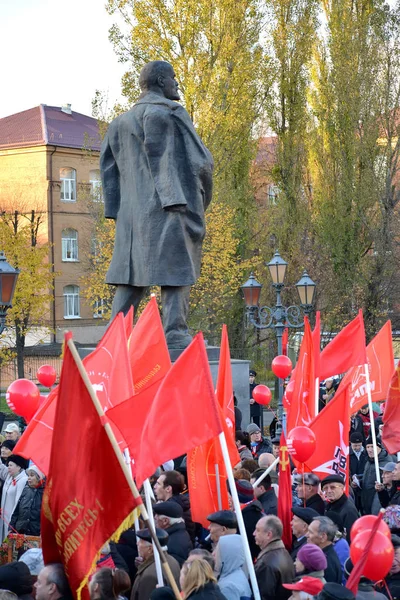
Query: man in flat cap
[157,185]
[146,577]
[333,488]
[222,522]
[357,461]
[307,486]
[302,517]
[169,516]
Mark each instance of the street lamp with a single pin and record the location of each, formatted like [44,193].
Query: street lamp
[8,281]
[278,317]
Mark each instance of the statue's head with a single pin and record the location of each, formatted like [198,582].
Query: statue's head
[158,76]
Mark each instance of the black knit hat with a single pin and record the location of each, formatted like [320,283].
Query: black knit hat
[369,441]
[16,578]
[10,444]
[18,460]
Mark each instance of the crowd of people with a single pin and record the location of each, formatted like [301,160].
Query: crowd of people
[209,563]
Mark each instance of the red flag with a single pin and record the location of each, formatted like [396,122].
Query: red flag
[331,428]
[87,499]
[380,364]
[391,415]
[109,372]
[316,335]
[183,413]
[347,349]
[302,407]
[285,341]
[35,442]
[201,461]
[285,493]
[148,351]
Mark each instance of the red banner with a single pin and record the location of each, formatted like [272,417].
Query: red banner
[285,499]
[391,416]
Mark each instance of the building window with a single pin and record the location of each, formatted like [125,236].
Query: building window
[68,184]
[99,308]
[95,185]
[273,193]
[69,245]
[71,302]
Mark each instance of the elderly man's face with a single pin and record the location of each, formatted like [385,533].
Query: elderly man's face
[333,491]
[387,477]
[11,435]
[170,88]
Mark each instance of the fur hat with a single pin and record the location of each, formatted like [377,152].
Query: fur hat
[18,460]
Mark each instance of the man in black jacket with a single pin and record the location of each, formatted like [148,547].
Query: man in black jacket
[255,408]
[358,459]
[169,516]
[265,493]
[321,532]
[333,488]
[307,491]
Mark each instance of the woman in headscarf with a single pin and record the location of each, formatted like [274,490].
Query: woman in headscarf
[13,487]
[26,516]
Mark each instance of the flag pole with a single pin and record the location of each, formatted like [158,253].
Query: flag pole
[218,482]
[239,516]
[147,493]
[316,399]
[122,463]
[266,472]
[371,417]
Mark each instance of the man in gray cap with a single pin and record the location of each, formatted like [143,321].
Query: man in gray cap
[302,517]
[307,492]
[169,516]
[146,577]
[222,522]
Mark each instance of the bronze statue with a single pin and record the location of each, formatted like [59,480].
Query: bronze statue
[157,184]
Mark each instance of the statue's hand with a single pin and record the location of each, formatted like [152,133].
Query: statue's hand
[181,208]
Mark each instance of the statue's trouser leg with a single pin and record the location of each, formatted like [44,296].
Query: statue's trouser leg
[175,309]
[125,297]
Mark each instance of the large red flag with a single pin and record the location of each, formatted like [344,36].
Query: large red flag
[380,365]
[391,415]
[87,499]
[148,351]
[202,460]
[181,415]
[285,493]
[301,409]
[35,442]
[331,428]
[109,372]
[346,350]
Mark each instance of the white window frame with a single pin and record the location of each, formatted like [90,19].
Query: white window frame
[68,186]
[95,186]
[71,302]
[69,245]
[99,307]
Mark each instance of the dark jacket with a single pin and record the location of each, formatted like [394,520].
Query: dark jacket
[333,572]
[347,510]
[390,496]
[393,583]
[146,578]
[274,567]
[255,409]
[366,591]
[316,503]
[357,426]
[210,591]
[297,544]
[269,502]
[26,516]
[179,543]
[357,465]
[184,501]
[368,491]
[252,513]
[263,446]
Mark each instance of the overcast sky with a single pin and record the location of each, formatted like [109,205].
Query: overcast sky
[55,52]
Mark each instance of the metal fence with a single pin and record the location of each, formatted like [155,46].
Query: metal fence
[9,371]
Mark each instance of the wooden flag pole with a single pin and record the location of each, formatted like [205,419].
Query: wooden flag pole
[157,561]
[371,418]
[122,463]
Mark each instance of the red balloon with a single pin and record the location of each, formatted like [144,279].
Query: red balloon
[289,391]
[282,366]
[301,443]
[46,375]
[380,556]
[262,394]
[23,397]
[366,523]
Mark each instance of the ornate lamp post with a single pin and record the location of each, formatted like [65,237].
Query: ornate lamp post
[8,281]
[279,316]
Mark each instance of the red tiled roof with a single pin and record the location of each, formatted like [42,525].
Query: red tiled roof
[49,125]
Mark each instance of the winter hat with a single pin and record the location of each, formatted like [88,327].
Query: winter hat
[356,438]
[369,442]
[36,470]
[16,577]
[162,593]
[10,444]
[18,460]
[252,428]
[309,585]
[312,557]
[245,490]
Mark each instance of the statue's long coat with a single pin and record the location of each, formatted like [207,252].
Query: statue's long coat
[151,159]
